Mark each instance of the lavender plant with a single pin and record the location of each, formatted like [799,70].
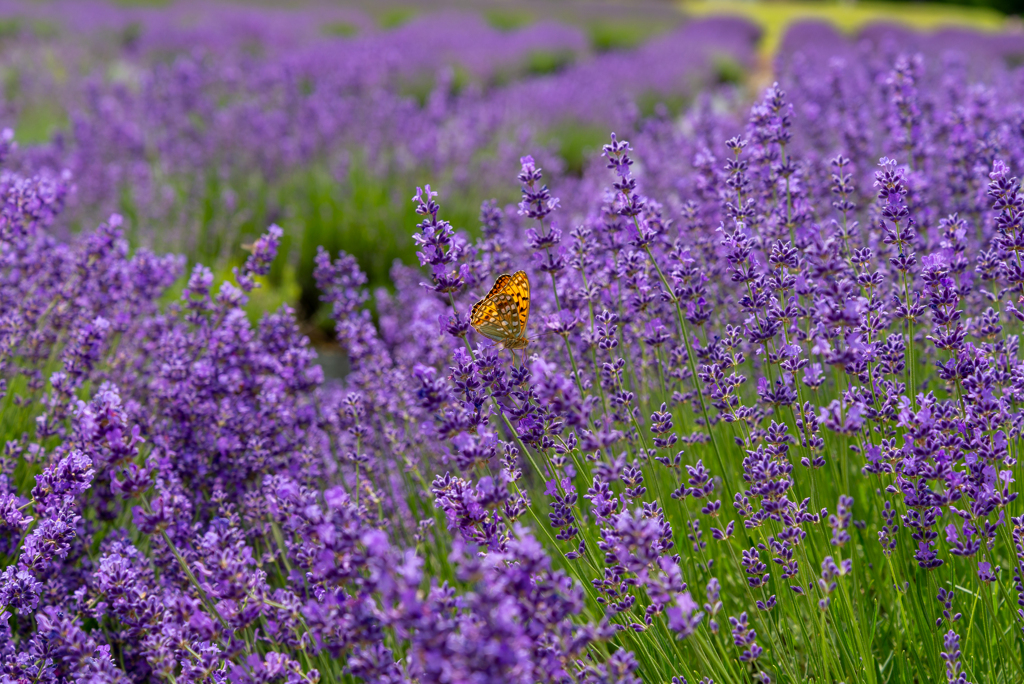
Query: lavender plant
[824,360]
[765,426]
[201,125]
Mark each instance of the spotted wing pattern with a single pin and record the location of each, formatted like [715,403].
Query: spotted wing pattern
[519,289]
[502,315]
[499,285]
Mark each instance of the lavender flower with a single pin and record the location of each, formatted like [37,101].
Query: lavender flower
[187,495]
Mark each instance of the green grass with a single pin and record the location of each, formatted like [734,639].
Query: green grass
[606,36]
[370,217]
[38,121]
[272,293]
[648,102]
[9,28]
[342,29]
[394,17]
[535,63]
[508,20]
[728,70]
[44,29]
[577,144]
[542,62]
[419,86]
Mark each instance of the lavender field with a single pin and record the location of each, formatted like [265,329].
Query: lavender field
[748,408]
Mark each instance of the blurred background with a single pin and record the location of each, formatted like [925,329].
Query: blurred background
[201,123]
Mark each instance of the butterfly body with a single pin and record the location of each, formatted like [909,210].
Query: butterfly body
[502,315]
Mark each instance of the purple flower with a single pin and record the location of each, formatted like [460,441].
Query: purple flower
[684,617]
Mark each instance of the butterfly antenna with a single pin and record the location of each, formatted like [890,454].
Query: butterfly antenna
[538,335]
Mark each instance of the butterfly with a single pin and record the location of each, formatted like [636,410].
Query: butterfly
[502,315]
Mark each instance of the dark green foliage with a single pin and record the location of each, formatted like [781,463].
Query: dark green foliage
[508,20]
[541,62]
[342,29]
[606,36]
[728,70]
[395,16]
[576,143]
[9,28]
[648,102]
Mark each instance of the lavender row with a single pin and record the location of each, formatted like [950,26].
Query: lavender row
[203,125]
[766,428]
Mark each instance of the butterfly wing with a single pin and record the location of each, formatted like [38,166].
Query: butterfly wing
[486,319]
[502,315]
[519,289]
[499,284]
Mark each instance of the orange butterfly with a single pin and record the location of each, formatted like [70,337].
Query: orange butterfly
[502,315]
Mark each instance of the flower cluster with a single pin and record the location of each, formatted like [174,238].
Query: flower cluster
[202,124]
[757,345]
